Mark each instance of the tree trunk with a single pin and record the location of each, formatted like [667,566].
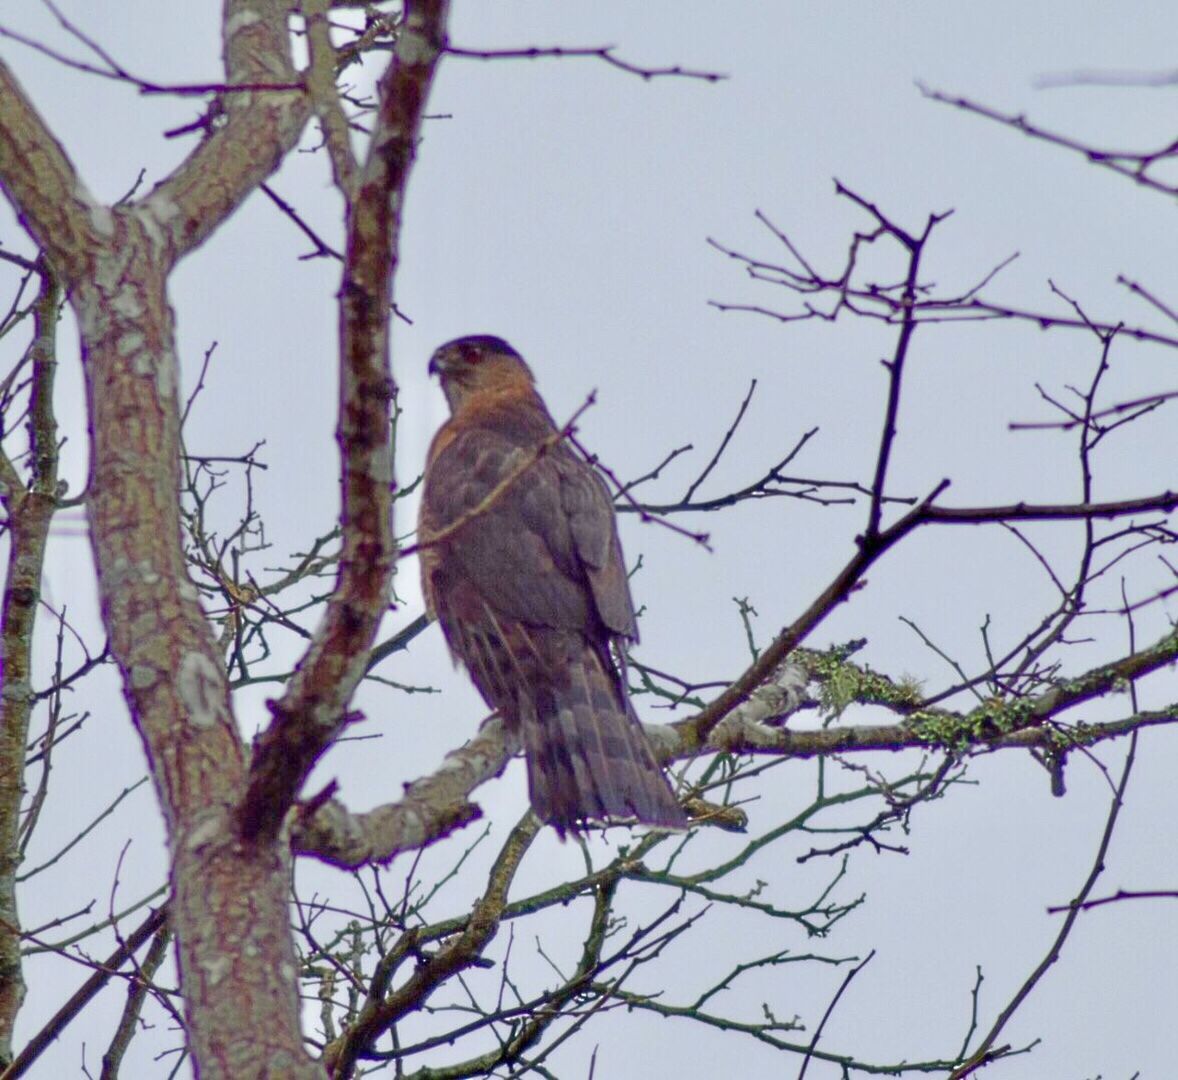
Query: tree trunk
[229,905]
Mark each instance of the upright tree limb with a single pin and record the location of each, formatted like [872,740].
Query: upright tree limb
[29,511]
[311,711]
[229,901]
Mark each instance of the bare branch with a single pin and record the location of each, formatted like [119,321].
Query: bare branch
[321,84]
[830,1009]
[1119,896]
[117,72]
[30,508]
[526,462]
[310,713]
[432,807]
[1129,163]
[384,1009]
[84,994]
[1164,502]
[982,1053]
[600,52]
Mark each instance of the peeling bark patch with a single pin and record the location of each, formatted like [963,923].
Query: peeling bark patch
[131,342]
[164,376]
[216,970]
[102,219]
[92,319]
[415,49]
[143,676]
[154,216]
[128,303]
[204,832]
[162,209]
[117,571]
[199,685]
[241,21]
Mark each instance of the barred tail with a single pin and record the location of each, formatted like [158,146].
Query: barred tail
[589,760]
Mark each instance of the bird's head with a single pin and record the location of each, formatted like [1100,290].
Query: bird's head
[478,364]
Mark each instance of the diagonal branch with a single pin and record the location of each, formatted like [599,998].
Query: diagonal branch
[1133,164]
[384,1009]
[432,807]
[437,804]
[217,176]
[42,185]
[104,972]
[483,506]
[695,730]
[321,73]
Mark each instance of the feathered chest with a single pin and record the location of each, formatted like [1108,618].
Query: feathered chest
[511,516]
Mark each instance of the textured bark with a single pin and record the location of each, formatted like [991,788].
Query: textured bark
[230,886]
[229,907]
[311,712]
[229,899]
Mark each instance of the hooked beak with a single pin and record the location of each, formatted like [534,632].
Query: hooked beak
[439,364]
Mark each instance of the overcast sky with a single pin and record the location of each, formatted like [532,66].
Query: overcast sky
[566,206]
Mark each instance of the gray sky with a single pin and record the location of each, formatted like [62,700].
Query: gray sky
[566,206]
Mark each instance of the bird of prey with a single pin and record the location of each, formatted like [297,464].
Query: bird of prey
[521,564]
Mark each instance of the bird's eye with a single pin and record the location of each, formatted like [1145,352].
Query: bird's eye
[471,355]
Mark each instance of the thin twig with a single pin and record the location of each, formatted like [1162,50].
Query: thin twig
[600,52]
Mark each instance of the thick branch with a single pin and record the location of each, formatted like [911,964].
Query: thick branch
[259,129]
[40,182]
[432,807]
[982,1054]
[436,804]
[236,956]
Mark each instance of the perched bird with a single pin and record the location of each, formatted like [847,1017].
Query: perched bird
[521,564]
